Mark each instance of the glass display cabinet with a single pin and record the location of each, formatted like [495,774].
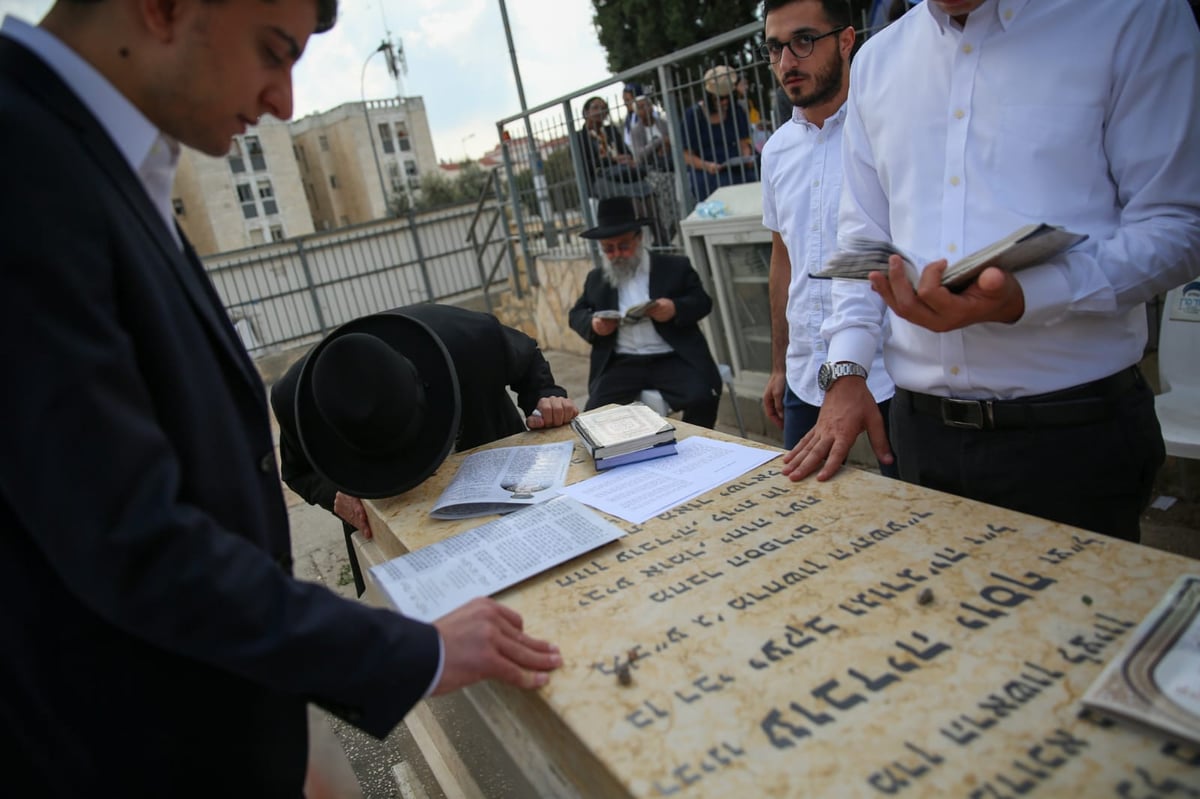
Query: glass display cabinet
[732,253]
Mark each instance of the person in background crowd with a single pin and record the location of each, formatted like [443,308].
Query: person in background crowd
[651,143]
[610,170]
[716,137]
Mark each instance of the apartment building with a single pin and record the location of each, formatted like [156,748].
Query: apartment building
[346,166]
[359,161]
[252,196]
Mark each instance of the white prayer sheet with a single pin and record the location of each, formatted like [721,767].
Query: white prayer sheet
[434,580]
[504,479]
[639,491]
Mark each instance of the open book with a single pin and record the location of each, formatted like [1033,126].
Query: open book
[620,429]
[1026,246]
[634,313]
[432,581]
[504,479]
[1155,679]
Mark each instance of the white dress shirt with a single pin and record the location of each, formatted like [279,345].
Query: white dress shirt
[1080,114]
[640,337]
[151,154]
[801,183]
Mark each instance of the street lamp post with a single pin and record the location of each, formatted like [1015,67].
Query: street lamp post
[362,92]
[535,157]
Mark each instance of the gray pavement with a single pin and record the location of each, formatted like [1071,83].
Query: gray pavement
[320,556]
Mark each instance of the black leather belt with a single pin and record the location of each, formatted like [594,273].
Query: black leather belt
[1084,404]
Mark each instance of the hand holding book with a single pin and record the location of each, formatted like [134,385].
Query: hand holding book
[633,314]
[1027,246]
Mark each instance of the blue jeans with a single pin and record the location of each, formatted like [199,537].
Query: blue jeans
[799,417]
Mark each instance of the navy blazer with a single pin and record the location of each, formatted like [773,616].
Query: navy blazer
[671,277]
[144,549]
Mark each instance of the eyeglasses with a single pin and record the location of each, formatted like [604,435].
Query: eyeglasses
[801,45]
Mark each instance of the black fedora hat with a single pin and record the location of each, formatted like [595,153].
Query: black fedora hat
[614,216]
[377,405]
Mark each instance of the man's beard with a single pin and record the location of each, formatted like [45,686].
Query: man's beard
[827,83]
[620,269]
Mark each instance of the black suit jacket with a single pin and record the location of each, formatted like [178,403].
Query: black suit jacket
[488,358]
[671,277]
[144,549]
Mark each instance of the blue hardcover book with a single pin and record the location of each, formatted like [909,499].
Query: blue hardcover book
[649,453]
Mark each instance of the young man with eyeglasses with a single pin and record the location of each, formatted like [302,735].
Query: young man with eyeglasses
[663,349]
[966,120]
[808,45]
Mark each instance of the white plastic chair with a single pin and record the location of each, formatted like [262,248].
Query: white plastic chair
[1178,407]
[654,399]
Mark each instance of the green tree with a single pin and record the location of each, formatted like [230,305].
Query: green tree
[634,31]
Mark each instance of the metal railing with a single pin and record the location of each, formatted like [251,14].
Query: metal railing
[556,181]
[295,292]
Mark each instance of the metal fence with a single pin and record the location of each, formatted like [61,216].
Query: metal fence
[563,156]
[294,292]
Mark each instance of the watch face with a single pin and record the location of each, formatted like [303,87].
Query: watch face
[824,376]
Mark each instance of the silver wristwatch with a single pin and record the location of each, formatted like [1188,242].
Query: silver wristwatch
[829,372]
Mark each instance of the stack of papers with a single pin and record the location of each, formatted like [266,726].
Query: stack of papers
[619,434]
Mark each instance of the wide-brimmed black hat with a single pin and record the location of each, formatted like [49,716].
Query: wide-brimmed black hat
[377,405]
[614,216]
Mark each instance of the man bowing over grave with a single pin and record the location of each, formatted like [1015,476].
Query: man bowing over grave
[659,344]
[377,405]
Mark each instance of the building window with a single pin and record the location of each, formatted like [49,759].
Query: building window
[324,142]
[267,194]
[246,198]
[298,151]
[333,181]
[256,236]
[402,137]
[254,150]
[236,164]
[385,136]
[414,184]
[276,232]
[410,169]
[177,204]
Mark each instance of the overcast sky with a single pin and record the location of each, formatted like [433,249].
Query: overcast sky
[457,55]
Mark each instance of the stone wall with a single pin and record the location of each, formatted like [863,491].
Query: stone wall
[541,312]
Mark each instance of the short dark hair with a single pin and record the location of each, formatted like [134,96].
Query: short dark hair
[326,12]
[838,12]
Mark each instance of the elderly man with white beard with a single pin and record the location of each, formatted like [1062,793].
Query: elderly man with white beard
[662,348]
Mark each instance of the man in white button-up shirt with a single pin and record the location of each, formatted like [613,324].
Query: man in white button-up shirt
[966,120]
[808,44]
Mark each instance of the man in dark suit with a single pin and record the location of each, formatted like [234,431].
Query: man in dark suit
[144,550]
[659,348]
[465,361]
